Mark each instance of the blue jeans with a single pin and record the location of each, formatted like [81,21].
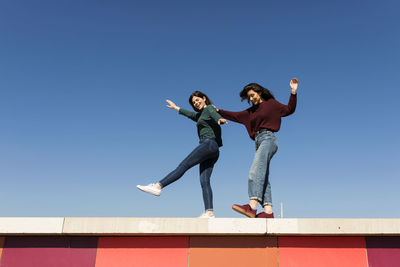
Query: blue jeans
[259,186]
[206,154]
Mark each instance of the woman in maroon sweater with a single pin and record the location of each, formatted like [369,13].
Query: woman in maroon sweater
[261,120]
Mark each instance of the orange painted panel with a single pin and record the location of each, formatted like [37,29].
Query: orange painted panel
[142,251]
[322,251]
[233,251]
[1,247]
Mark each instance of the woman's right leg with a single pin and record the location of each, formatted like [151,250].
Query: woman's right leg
[199,154]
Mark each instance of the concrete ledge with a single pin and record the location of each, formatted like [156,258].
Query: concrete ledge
[337,227]
[26,226]
[195,226]
[164,226]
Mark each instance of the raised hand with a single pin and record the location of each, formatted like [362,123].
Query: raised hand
[222,121]
[172,105]
[294,83]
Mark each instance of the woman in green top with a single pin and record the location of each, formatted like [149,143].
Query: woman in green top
[206,153]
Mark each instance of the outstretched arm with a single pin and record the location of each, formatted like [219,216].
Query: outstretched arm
[182,111]
[291,107]
[239,117]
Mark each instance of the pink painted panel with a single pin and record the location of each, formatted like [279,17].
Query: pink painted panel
[49,252]
[383,251]
[142,251]
[322,251]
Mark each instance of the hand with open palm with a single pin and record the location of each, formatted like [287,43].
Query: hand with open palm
[294,83]
[172,105]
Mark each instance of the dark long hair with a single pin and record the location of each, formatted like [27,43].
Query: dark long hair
[263,92]
[199,94]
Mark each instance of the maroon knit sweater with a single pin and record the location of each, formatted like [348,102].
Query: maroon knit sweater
[266,115]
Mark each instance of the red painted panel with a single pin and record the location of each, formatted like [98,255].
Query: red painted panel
[383,251]
[233,251]
[49,252]
[322,251]
[142,251]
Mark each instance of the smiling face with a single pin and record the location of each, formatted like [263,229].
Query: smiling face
[254,97]
[199,102]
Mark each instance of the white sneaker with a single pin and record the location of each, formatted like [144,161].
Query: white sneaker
[206,216]
[151,189]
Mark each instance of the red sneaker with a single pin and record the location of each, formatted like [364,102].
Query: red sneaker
[265,215]
[245,210]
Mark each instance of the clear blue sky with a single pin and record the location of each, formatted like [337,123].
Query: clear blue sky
[83,118]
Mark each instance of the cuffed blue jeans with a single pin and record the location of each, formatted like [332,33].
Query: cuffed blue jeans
[259,186]
[206,154]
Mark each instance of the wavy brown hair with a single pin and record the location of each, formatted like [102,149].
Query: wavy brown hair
[263,92]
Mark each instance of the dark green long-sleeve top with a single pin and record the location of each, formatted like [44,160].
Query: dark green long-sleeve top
[207,122]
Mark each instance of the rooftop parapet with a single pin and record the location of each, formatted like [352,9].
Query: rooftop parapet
[197,227]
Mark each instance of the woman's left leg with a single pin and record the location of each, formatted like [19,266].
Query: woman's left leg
[206,168]
[259,187]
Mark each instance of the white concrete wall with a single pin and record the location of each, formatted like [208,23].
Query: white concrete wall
[191,226]
[36,225]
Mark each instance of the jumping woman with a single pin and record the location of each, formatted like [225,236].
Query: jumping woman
[206,153]
[261,120]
